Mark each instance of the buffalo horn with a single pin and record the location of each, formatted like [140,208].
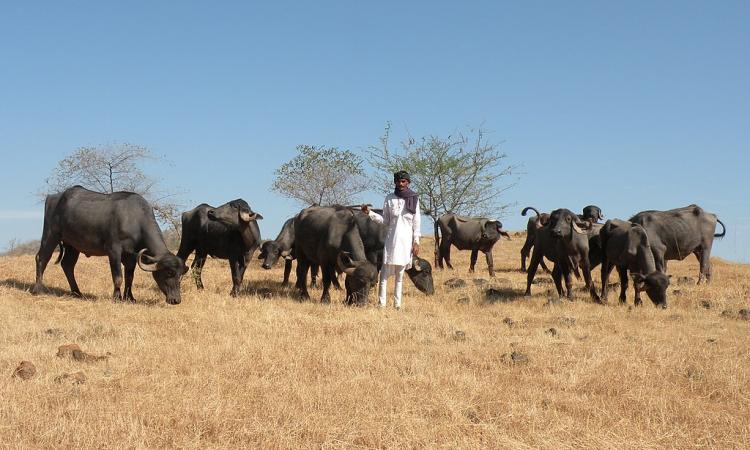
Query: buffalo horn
[148,267]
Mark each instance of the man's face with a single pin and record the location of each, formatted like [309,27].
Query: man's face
[401,184]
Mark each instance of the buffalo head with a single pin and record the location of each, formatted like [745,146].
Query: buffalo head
[592,213]
[655,284]
[420,273]
[167,272]
[563,223]
[270,251]
[492,230]
[234,213]
[360,277]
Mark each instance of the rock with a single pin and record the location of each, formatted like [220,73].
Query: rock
[455,283]
[705,304]
[459,335]
[82,356]
[67,350]
[54,332]
[508,321]
[744,314]
[463,301]
[711,340]
[518,357]
[567,321]
[75,378]
[552,332]
[677,291]
[25,370]
[495,295]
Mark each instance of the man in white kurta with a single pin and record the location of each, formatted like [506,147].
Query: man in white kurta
[401,216]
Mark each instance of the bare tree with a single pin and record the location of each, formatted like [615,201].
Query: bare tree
[111,168]
[320,175]
[463,174]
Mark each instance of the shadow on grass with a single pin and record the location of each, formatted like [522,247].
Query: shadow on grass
[502,295]
[26,287]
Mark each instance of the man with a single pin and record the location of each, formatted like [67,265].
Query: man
[401,216]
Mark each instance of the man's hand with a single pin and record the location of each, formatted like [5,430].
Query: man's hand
[415,249]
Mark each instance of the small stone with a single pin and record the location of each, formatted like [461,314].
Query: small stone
[727,313]
[75,378]
[568,321]
[711,340]
[25,370]
[744,314]
[459,335]
[552,332]
[463,301]
[518,357]
[677,291]
[67,350]
[54,332]
[455,283]
[705,304]
[508,321]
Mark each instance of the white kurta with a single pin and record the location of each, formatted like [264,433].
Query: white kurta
[403,230]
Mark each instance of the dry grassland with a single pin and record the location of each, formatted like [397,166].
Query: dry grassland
[265,371]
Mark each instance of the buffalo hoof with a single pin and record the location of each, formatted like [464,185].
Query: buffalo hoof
[76,294]
[36,289]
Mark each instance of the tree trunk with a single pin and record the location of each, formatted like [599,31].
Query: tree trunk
[437,241]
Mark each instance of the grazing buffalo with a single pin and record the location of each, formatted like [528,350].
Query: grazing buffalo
[676,233]
[228,232]
[331,238]
[120,226]
[625,245]
[283,247]
[466,233]
[564,240]
[591,213]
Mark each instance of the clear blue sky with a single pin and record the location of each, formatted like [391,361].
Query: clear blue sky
[627,105]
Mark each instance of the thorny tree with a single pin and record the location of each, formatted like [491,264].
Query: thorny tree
[320,175]
[463,174]
[111,168]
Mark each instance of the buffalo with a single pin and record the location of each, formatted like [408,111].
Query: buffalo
[120,226]
[625,245]
[564,240]
[677,233]
[466,233]
[331,238]
[228,232]
[283,247]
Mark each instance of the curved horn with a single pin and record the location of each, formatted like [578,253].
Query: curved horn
[149,266]
[343,266]
[525,210]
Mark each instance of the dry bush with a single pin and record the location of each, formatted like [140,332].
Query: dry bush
[448,371]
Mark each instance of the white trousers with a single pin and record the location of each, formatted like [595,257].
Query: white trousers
[385,272]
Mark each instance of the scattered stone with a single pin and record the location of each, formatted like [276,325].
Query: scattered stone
[455,283]
[67,350]
[472,416]
[705,304]
[552,332]
[459,335]
[518,357]
[744,314]
[480,282]
[495,295]
[727,313]
[546,403]
[685,280]
[567,321]
[74,378]
[463,301]
[711,340]
[25,370]
[677,291]
[54,332]
[510,322]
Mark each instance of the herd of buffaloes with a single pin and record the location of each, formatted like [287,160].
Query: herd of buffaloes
[339,239]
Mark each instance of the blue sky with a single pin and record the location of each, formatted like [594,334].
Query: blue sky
[627,105]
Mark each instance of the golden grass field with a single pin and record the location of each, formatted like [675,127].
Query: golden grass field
[266,371]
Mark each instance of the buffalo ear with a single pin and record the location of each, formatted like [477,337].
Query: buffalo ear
[258,216]
[543,219]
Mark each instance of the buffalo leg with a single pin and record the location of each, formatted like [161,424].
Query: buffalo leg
[544,266]
[68,263]
[473,261]
[490,263]
[586,266]
[237,267]
[606,270]
[129,260]
[704,258]
[533,264]
[46,248]
[525,250]
[287,271]
[301,285]
[445,252]
[197,267]
[115,257]
[328,273]
[623,272]
[557,278]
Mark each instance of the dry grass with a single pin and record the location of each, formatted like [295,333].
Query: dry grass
[259,372]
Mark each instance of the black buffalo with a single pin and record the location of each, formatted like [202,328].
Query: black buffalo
[467,233]
[228,232]
[120,226]
[591,213]
[677,233]
[330,237]
[283,247]
[564,240]
[625,245]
